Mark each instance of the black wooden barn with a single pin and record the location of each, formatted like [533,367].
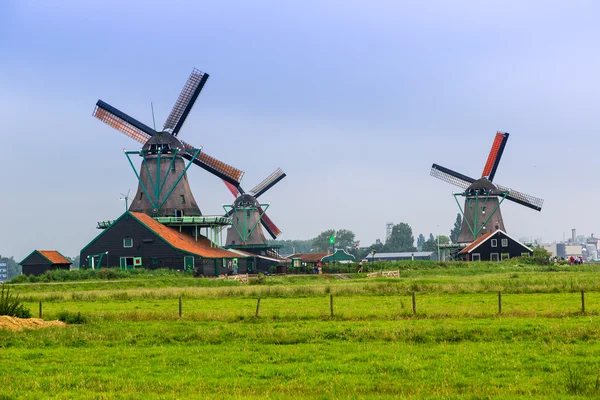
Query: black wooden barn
[40,261]
[138,240]
[494,246]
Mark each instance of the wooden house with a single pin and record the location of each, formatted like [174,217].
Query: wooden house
[138,240]
[40,261]
[494,246]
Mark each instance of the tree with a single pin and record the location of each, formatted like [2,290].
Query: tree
[401,239]
[344,239]
[455,232]
[292,246]
[443,239]
[321,242]
[420,242]
[432,243]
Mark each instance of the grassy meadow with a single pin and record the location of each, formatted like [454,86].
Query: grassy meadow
[133,344]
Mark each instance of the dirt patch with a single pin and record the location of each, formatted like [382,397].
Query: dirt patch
[16,324]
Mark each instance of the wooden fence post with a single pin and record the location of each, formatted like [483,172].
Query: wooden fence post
[414,302]
[257,306]
[180,306]
[499,302]
[40,309]
[582,302]
[331,305]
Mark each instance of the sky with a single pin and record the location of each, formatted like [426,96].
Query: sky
[354,100]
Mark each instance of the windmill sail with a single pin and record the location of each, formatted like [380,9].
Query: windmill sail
[447,175]
[122,122]
[489,171]
[522,198]
[185,102]
[268,183]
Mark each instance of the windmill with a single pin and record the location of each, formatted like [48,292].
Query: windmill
[142,133]
[163,188]
[247,212]
[482,197]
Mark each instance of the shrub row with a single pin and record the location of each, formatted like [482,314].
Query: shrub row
[61,275]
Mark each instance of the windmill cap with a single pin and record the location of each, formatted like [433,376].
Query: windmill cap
[485,185]
[164,139]
[246,200]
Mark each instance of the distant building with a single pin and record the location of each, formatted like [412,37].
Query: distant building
[494,246]
[340,255]
[310,258]
[3,271]
[408,255]
[40,261]
[573,251]
[556,249]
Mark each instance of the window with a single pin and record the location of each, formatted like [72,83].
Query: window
[494,257]
[504,242]
[182,199]
[141,195]
[154,261]
[475,257]
[494,242]
[505,256]
[128,242]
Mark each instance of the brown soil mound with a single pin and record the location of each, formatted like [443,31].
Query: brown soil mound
[16,324]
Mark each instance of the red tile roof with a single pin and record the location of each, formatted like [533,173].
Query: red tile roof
[179,240]
[479,240]
[54,257]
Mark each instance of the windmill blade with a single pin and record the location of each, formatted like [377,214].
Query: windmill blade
[122,122]
[447,175]
[235,190]
[489,171]
[268,224]
[268,183]
[214,166]
[522,198]
[185,101]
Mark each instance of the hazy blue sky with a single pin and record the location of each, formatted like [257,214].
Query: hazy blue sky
[353,99]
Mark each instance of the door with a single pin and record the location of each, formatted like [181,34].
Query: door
[188,263]
[250,264]
[126,262]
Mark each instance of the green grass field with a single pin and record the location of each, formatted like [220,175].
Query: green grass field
[134,345]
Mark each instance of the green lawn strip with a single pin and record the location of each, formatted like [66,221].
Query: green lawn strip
[524,282]
[331,359]
[358,307]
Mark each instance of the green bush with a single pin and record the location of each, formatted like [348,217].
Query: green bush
[259,280]
[11,305]
[62,275]
[72,318]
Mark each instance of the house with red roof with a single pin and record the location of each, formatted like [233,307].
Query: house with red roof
[494,246]
[137,240]
[40,261]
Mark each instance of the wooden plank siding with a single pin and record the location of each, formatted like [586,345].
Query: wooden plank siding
[154,251]
[36,264]
[485,249]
